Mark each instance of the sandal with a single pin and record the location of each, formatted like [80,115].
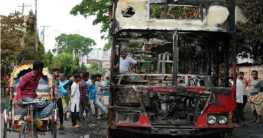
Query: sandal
[77,126]
[245,122]
[253,121]
[258,122]
[236,125]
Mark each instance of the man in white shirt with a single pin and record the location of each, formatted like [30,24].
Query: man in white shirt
[245,93]
[239,104]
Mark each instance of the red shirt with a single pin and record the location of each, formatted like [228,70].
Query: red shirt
[27,86]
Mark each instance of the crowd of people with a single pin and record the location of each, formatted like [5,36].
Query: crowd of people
[254,95]
[79,94]
[73,96]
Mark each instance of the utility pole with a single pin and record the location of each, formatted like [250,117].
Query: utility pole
[36,32]
[44,26]
[23,6]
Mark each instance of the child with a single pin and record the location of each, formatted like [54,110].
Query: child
[93,92]
[74,101]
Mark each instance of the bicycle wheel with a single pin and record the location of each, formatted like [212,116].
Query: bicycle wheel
[5,131]
[25,131]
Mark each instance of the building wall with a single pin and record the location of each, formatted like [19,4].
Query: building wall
[90,61]
[96,53]
[106,63]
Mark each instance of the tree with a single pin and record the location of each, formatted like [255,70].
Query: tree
[74,42]
[250,34]
[12,32]
[83,67]
[94,69]
[64,62]
[48,59]
[94,66]
[98,8]
[28,51]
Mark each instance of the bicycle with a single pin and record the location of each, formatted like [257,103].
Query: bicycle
[28,128]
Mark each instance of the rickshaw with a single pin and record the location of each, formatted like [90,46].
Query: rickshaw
[29,127]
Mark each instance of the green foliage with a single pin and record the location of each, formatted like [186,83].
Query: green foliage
[250,34]
[49,58]
[74,42]
[83,67]
[18,41]
[28,51]
[64,62]
[11,38]
[94,66]
[108,45]
[98,8]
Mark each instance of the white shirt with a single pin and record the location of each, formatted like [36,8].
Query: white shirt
[99,90]
[75,96]
[239,91]
[244,82]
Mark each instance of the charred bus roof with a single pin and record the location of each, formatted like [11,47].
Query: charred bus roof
[208,15]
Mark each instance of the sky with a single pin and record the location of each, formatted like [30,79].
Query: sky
[55,14]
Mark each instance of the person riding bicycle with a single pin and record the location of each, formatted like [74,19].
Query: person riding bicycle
[26,92]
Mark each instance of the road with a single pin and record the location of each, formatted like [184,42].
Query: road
[97,131]
[251,130]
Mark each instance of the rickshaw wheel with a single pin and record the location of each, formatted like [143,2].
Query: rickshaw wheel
[5,131]
[54,129]
[25,131]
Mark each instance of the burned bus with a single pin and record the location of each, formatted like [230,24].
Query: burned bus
[176,87]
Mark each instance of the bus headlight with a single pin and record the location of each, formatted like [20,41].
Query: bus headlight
[222,120]
[211,119]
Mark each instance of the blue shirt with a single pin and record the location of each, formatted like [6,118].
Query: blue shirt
[92,91]
[62,90]
[106,92]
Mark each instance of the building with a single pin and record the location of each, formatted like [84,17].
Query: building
[99,56]
[105,63]
[106,59]
[96,53]
[90,61]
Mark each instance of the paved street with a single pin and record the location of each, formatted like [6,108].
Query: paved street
[98,131]
[252,130]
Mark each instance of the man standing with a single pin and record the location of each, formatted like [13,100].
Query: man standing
[67,87]
[100,91]
[245,93]
[84,99]
[126,63]
[70,81]
[92,87]
[239,104]
[64,95]
[256,86]
[57,91]
[74,100]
